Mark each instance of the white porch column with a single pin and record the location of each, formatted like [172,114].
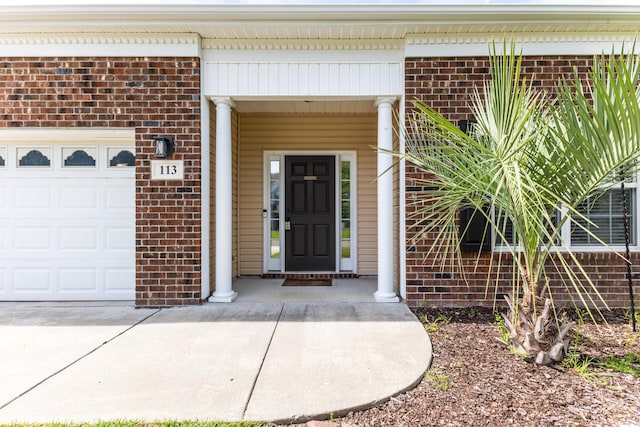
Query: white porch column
[224,223]
[385,292]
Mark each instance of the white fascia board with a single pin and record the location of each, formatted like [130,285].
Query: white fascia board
[304,10]
[456,45]
[124,45]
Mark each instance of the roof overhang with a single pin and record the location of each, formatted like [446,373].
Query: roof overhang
[312,19]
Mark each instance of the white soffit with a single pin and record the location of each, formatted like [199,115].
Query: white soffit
[467,44]
[113,44]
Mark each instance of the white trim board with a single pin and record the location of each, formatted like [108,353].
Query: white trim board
[454,45]
[70,135]
[100,45]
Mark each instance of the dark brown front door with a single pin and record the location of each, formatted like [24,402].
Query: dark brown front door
[310,213]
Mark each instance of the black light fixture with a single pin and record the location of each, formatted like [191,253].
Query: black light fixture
[164,146]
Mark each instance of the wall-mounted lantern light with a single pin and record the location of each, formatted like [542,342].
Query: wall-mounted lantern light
[164,146]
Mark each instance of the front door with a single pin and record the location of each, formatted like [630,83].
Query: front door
[310,213]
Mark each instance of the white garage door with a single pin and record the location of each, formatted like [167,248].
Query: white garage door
[67,221]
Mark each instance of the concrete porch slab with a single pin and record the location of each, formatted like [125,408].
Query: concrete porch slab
[257,289]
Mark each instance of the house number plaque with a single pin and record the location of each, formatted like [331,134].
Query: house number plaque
[167,170]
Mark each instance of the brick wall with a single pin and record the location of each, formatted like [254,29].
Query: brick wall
[447,84]
[156,96]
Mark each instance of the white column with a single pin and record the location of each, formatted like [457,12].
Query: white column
[385,292]
[224,200]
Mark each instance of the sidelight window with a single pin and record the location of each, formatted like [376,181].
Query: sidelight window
[347,188]
[274,209]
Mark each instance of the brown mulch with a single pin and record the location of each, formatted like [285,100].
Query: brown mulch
[475,381]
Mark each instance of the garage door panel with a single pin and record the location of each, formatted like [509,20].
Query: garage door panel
[32,239]
[74,198]
[78,279]
[32,279]
[120,238]
[78,239]
[117,279]
[30,197]
[120,197]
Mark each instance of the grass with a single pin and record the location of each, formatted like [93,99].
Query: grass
[636,314]
[579,339]
[147,424]
[502,330]
[439,380]
[629,364]
[581,315]
[435,324]
[578,364]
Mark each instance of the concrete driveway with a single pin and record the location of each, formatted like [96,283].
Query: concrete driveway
[279,362]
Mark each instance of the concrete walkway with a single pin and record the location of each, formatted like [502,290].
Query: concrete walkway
[280,362]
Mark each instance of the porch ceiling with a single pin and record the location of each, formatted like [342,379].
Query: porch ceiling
[307,106]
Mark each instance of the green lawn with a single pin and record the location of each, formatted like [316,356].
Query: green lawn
[145,424]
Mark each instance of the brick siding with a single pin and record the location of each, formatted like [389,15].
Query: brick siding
[156,96]
[446,84]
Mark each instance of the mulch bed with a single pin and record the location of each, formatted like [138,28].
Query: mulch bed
[475,381]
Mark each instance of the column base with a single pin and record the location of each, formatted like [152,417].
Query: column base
[225,297]
[385,297]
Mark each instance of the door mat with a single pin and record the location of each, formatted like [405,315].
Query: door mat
[307,282]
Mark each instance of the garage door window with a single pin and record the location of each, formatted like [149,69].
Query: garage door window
[75,157]
[121,158]
[3,157]
[34,157]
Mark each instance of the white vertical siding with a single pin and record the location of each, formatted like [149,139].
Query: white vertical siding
[303,79]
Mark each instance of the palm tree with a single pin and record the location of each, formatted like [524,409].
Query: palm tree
[523,161]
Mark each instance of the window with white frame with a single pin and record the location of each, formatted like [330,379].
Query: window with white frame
[605,216]
[603,220]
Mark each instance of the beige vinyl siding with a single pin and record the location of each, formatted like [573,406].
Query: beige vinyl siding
[235,210]
[305,132]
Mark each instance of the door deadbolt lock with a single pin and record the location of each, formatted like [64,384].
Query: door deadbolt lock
[287,225]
